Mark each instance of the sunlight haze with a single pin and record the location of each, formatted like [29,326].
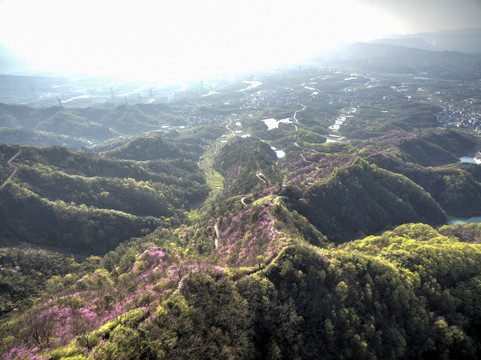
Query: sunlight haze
[183,39]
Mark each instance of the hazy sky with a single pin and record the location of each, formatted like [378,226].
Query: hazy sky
[432,15]
[181,39]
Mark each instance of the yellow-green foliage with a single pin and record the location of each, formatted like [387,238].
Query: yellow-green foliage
[423,250]
[271,199]
[71,352]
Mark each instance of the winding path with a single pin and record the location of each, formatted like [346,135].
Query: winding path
[295,114]
[228,128]
[217,233]
[303,157]
[15,169]
[261,177]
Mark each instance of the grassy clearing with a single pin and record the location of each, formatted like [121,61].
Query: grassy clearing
[213,178]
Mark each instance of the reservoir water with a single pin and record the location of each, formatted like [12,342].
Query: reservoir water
[467,159]
[452,220]
[472,160]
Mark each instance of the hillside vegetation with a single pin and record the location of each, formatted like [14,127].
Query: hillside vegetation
[88,203]
[275,249]
[422,286]
[301,214]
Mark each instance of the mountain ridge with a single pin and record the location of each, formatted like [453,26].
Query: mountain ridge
[295,214]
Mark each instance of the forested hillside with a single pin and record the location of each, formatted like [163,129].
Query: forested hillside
[305,213]
[245,165]
[362,199]
[88,203]
[256,271]
[422,287]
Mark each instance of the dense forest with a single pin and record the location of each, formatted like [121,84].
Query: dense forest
[89,203]
[304,216]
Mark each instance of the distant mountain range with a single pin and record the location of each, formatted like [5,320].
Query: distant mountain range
[465,40]
[404,56]
[453,54]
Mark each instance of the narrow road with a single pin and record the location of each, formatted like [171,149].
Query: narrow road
[260,177]
[228,128]
[217,234]
[15,169]
[295,114]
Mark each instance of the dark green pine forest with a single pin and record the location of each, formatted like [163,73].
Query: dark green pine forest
[192,229]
